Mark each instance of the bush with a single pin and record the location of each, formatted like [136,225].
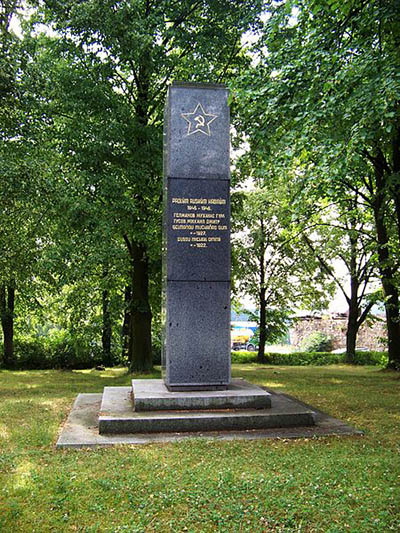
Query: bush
[71,353]
[30,355]
[311,358]
[305,358]
[58,352]
[371,358]
[316,342]
[243,357]
[156,347]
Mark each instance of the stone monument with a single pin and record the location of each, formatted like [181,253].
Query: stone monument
[196,238]
[197,393]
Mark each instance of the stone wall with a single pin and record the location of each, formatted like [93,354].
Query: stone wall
[369,336]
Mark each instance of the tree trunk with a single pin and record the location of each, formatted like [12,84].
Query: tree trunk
[141,355]
[263,328]
[351,335]
[352,324]
[139,349]
[262,302]
[126,324]
[386,271]
[396,170]
[7,303]
[106,333]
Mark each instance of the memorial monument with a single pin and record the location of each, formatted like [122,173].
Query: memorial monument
[196,393]
[196,238]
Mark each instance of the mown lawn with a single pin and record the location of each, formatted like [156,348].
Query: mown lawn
[311,485]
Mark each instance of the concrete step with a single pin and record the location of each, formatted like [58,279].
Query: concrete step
[153,395]
[117,416]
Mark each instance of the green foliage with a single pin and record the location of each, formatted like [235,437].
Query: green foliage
[316,342]
[157,347]
[89,97]
[270,263]
[311,358]
[371,358]
[242,357]
[320,106]
[305,358]
[61,351]
[277,323]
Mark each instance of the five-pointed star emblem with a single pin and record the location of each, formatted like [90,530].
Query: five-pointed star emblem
[199,121]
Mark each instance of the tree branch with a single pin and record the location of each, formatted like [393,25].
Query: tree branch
[326,267]
[364,314]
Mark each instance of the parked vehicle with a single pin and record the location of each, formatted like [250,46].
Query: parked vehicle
[252,345]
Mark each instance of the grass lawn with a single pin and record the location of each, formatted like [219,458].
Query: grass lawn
[325,485]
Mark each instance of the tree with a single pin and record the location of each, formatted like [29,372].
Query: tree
[24,212]
[343,236]
[109,67]
[270,262]
[325,99]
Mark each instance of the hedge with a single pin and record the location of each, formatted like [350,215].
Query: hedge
[68,355]
[311,358]
[60,354]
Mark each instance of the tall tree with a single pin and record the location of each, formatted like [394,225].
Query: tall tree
[24,209]
[342,239]
[271,263]
[110,65]
[324,98]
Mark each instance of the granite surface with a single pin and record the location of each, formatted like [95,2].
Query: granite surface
[197,132]
[197,333]
[196,238]
[153,395]
[81,430]
[117,416]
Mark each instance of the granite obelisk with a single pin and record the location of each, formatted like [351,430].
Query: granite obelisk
[196,297]
[196,238]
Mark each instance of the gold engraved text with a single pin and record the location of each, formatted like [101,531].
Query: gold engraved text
[199,222]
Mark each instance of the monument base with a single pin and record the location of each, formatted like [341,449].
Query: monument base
[150,408]
[155,395]
[81,428]
[189,388]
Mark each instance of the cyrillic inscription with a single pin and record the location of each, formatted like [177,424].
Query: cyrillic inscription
[200,219]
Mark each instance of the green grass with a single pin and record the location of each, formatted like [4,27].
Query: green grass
[309,485]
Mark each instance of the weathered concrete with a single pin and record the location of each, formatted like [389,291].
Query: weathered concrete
[81,428]
[153,395]
[117,416]
[158,422]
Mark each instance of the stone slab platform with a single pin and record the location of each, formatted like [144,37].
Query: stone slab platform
[81,428]
[117,416]
[153,395]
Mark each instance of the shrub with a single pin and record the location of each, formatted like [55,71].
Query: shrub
[71,353]
[311,358]
[59,351]
[316,342]
[156,353]
[31,354]
[244,357]
[304,358]
[371,358]
[156,347]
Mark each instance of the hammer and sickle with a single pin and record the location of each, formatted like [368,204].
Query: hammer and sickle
[200,121]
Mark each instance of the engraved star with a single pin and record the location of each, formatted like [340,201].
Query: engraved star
[199,121]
